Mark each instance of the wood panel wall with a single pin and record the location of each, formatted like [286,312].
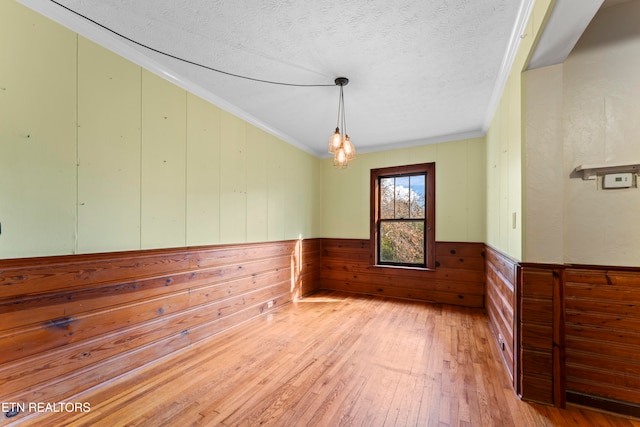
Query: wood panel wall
[68,323]
[602,337]
[458,278]
[540,334]
[579,334]
[73,322]
[500,304]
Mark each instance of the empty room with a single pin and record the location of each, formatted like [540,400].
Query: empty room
[320,213]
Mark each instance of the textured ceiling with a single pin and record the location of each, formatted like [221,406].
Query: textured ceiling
[420,71]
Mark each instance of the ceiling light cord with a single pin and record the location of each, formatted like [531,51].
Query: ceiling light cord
[187,61]
[340,108]
[344,114]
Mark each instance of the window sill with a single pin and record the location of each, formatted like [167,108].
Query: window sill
[403,267]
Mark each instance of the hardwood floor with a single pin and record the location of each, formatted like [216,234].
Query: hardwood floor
[328,360]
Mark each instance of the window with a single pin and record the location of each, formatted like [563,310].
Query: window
[403,216]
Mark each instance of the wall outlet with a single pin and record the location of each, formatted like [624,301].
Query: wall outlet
[269,304]
[501,342]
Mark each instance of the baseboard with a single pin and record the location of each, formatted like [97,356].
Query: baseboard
[610,405]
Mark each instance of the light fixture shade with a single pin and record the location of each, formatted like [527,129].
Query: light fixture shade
[335,141]
[349,151]
[340,159]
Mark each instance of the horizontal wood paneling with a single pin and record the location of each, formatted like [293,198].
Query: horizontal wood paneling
[458,278]
[500,304]
[72,322]
[520,306]
[539,375]
[602,327]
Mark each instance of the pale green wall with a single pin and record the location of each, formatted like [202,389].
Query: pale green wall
[37,134]
[505,152]
[108,151]
[460,190]
[101,155]
[504,183]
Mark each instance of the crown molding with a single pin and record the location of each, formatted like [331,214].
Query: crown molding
[472,134]
[507,63]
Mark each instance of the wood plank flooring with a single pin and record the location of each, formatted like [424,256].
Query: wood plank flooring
[330,359]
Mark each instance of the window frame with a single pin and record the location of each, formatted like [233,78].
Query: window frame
[429,170]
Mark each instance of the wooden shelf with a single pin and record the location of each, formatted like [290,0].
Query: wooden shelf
[591,171]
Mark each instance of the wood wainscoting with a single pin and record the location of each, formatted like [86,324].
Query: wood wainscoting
[602,337]
[71,323]
[501,274]
[457,280]
[540,334]
[525,323]
[68,323]
[575,331]
[579,334]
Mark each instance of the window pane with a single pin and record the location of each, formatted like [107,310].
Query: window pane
[401,220]
[402,242]
[402,197]
[417,196]
[387,193]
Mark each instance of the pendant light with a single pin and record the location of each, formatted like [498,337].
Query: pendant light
[339,144]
